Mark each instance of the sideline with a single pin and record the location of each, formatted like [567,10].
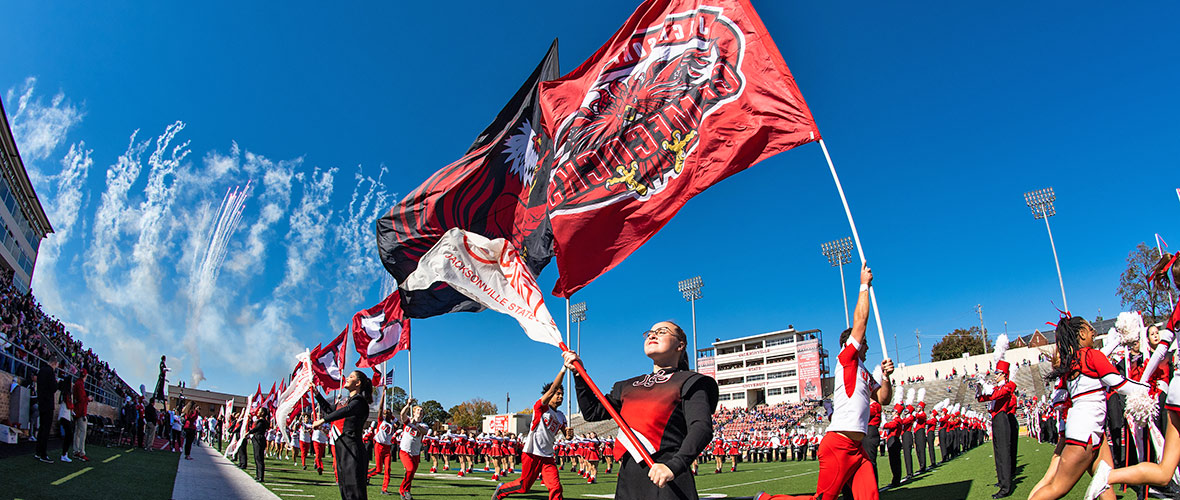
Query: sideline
[211,475]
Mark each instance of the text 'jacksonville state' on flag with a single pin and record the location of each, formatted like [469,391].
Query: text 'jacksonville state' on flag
[685,94]
[494,190]
[490,273]
[380,331]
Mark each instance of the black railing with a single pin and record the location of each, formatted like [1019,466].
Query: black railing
[27,369]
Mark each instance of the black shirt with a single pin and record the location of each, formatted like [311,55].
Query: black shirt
[46,386]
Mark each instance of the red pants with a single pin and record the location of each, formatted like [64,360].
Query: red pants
[410,462]
[381,456]
[841,461]
[319,455]
[532,466]
[303,446]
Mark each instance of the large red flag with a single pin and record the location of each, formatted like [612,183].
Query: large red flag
[380,331]
[327,362]
[685,94]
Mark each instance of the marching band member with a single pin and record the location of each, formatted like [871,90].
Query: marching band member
[920,430]
[1001,400]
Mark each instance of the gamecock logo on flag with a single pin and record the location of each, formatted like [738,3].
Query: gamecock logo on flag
[327,362]
[380,331]
[686,93]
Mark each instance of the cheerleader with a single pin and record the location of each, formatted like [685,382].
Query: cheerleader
[1148,473]
[1085,372]
[319,441]
[468,452]
[430,444]
[718,452]
[305,440]
[733,449]
[496,449]
[593,456]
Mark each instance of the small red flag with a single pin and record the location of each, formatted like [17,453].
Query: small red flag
[380,331]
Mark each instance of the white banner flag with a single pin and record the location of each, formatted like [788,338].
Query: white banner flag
[491,273]
[233,445]
[300,384]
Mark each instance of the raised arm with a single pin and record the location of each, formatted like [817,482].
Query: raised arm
[860,316]
[549,394]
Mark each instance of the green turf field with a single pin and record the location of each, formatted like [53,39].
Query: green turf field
[968,477]
[111,473]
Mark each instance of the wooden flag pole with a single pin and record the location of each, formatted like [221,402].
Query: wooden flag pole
[859,248]
[614,414]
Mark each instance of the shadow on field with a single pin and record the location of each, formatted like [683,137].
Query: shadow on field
[945,491]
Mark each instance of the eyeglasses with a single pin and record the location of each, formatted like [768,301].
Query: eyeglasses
[658,332]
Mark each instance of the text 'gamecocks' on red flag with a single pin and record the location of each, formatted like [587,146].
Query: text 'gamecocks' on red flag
[495,190]
[685,94]
[491,273]
[380,331]
[327,362]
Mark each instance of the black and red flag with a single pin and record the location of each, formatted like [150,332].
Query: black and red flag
[380,331]
[685,94]
[327,362]
[494,190]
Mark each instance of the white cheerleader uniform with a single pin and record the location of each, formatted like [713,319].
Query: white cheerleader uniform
[1087,396]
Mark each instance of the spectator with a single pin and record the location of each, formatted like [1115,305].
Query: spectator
[47,385]
[81,401]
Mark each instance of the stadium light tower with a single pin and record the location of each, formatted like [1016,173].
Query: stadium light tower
[1041,204]
[577,315]
[691,288]
[839,252]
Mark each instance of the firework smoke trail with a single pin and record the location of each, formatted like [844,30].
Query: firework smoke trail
[204,276]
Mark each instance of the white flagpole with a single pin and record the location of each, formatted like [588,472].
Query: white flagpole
[410,375]
[859,248]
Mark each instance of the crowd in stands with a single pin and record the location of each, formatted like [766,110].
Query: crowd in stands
[736,422]
[25,334]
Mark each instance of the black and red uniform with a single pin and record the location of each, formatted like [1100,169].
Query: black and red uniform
[673,411]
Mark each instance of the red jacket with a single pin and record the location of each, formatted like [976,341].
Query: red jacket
[81,399]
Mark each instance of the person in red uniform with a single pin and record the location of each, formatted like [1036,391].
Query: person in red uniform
[1001,400]
[537,459]
[718,453]
[920,435]
[931,429]
[670,406]
[842,459]
[892,430]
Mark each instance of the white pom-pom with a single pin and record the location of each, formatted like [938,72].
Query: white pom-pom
[1001,347]
[1142,409]
[1129,325]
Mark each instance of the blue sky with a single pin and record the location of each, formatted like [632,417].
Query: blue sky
[938,116]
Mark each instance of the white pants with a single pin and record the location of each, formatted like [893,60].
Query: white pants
[80,435]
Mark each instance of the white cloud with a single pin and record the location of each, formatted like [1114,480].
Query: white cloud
[39,127]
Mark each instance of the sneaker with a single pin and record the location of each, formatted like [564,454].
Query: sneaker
[84,457]
[496,492]
[66,459]
[1098,484]
[43,459]
[761,495]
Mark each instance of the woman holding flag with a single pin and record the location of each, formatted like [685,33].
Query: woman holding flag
[351,462]
[671,408]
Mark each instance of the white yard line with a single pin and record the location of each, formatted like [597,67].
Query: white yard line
[762,481]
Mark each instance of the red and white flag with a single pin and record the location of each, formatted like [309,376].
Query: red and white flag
[271,398]
[327,362]
[491,273]
[685,94]
[291,399]
[232,449]
[380,331]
